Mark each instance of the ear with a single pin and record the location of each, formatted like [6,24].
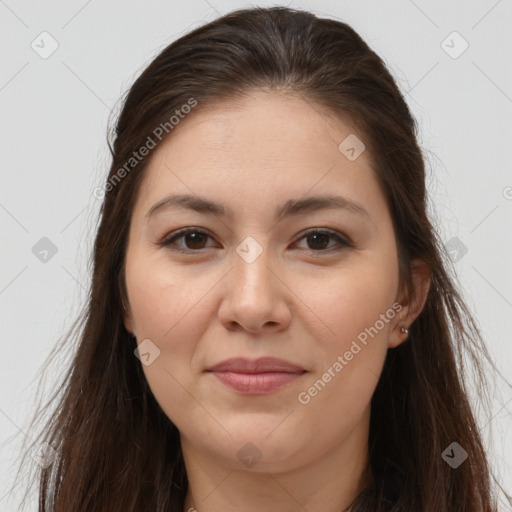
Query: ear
[127,318]
[413,304]
[127,314]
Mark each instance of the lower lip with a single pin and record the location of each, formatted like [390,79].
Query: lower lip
[256,383]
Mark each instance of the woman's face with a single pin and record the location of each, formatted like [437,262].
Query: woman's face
[252,284]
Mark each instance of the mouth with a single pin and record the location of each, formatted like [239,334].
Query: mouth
[256,377]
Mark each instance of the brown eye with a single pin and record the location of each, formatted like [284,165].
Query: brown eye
[194,240]
[318,241]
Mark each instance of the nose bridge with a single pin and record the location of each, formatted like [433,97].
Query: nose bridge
[251,267]
[251,297]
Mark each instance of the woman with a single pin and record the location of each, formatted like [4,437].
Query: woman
[272,322]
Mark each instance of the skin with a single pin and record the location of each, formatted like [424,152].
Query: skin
[300,300]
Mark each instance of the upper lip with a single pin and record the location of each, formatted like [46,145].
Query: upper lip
[261,365]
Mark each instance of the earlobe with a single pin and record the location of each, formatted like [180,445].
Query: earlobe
[398,335]
[128,324]
[413,306]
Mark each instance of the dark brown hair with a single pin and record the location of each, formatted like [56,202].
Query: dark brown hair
[116,449]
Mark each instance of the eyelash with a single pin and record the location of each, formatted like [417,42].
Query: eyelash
[168,241]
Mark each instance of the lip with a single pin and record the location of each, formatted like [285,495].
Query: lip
[256,376]
[261,365]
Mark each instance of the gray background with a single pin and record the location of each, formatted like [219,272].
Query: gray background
[54,114]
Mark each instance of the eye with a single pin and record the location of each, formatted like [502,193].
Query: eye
[193,236]
[194,239]
[320,237]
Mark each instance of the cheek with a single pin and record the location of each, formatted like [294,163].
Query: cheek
[350,301]
[356,309]
[172,315]
[163,297]
[348,366]
[168,308]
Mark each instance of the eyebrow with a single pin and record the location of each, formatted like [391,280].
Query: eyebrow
[290,208]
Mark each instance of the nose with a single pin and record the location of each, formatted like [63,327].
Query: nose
[255,297]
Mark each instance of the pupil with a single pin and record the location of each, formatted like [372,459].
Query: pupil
[319,235]
[197,237]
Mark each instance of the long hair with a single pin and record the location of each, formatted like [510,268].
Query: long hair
[113,447]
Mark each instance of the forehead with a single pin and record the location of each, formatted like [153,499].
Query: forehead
[269,145]
[290,126]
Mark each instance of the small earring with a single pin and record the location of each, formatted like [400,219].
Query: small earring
[405,330]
